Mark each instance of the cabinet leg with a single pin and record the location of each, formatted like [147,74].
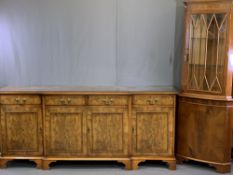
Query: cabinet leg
[46,164]
[3,163]
[180,160]
[38,163]
[135,164]
[171,164]
[127,164]
[222,168]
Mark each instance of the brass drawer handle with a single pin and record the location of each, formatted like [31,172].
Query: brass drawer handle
[68,101]
[62,101]
[108,101]
[24,100]
[20,101]
[153,101]
[65,101]
[17,100]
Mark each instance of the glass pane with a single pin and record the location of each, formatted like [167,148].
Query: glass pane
[206,52]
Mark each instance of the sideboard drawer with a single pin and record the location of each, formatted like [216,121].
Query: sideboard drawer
[108,100]
[65,100]
[153,100]
[20,99]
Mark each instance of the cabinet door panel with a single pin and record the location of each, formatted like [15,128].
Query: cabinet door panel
[22,130]
[153,131]
[108,131]
[65,131]
[203,132]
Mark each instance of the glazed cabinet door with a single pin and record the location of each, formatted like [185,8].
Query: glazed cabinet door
[108,131]
[65,131]
[153,131]
[206,48]
[21,130]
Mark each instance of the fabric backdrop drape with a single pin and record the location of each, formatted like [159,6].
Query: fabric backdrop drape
[89,42]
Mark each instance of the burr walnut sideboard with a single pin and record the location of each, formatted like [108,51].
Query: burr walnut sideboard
[125,124]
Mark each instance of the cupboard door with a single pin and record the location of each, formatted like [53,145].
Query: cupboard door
[21,130]
[65,131]
[203,131]
[108,131]
[153,131]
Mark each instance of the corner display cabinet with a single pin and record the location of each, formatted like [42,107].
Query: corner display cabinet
[205,108]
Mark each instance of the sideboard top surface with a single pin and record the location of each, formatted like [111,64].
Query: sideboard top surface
[87,90]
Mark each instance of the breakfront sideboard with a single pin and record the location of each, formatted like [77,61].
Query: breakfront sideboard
[205,104]
[48,124]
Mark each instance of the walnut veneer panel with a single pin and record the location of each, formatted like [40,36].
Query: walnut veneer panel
[108,100]
[153,100]
[215,6]
[20,99]
[21,130]
[108,131]
[203,131]
[65,131]
[153,131]
[65,100]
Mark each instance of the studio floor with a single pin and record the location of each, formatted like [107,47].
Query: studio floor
[106,168]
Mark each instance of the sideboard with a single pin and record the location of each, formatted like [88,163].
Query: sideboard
[124,124]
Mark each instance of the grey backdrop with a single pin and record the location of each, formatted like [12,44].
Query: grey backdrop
[90,42]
